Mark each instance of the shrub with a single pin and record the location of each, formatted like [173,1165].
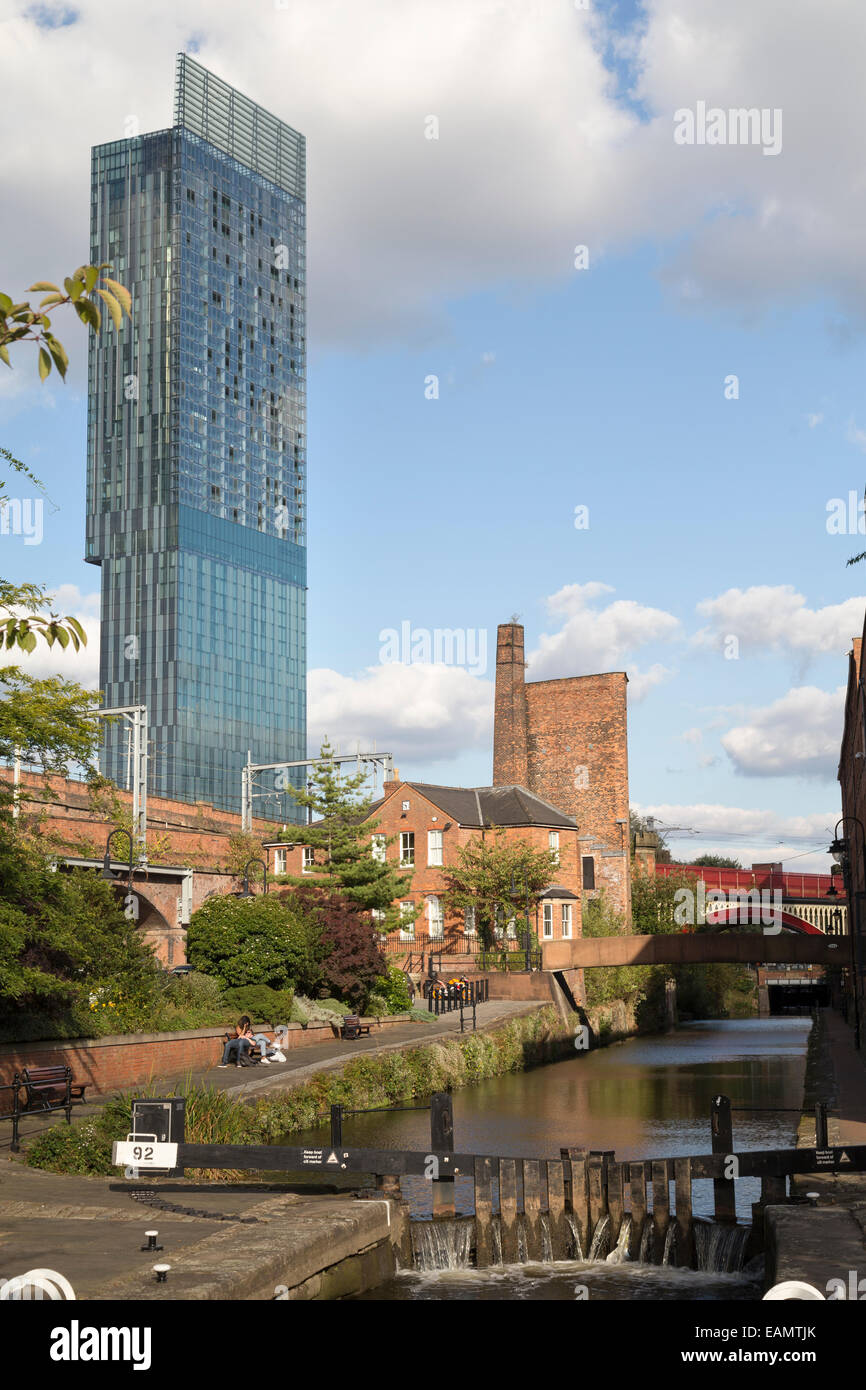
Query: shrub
[262,1003]
[255,941]
[393,992]
[351,961]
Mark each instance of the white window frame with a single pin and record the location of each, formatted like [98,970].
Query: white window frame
[434,849]
[566,918]
[547,921]
[408,931]
[309,859]
[435,918]
[377,847]
[407,848]
[553,843]
[469,921]
[280,860]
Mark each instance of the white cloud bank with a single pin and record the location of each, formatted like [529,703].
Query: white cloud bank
[798,735]
[774,618]
[535,152]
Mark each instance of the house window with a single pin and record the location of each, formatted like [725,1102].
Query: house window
[547,920]
[588,871]
[553,843]
[434,849]
[377,847]
[407,848]
[309,859]
[469,921]
[435,920]
[405,805]
[566,921]
[279,861]
[407,930]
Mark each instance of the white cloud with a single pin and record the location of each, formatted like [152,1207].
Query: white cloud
[856,436]
[530,178]
[796,736]
[419,712]
[81,666]
[596,638]
[640,683]
[750,835]
[774,618]
[814,420]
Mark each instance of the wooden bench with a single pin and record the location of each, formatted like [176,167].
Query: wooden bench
[50,1088]
[352,1027]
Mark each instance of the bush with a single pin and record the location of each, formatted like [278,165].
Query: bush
[255,941]
[262,1003]
[351,961]
[392,992]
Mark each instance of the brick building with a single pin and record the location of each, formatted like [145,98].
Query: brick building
[567,741]
[432,824]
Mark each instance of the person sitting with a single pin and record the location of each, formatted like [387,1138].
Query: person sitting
[240,1045]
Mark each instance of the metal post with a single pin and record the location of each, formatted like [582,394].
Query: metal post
[336,1125]
[821,1139]
[442,1140]
[16,1111]
[721,1129]
[461,1013]
[68,1105]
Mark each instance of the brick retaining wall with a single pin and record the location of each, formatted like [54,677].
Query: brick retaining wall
[123,1060]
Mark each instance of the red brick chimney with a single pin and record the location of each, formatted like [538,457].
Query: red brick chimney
[510,727]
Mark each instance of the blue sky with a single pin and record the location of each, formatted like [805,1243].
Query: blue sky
[557,388]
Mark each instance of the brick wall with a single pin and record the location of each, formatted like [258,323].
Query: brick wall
[115,1063]
[575,754]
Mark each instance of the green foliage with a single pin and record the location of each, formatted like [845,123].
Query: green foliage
[255,941]
[653,900]
[21,322]
[340,837]
[392,992]
[495,875]
[716,861]
[49,720]
[262,1003]
[626,982]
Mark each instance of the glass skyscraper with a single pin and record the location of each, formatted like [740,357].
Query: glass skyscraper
[196,471]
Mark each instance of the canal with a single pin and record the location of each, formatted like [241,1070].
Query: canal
[646,1097]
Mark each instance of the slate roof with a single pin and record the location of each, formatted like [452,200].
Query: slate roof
[487,806]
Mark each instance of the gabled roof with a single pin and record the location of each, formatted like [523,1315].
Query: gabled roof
[488,806]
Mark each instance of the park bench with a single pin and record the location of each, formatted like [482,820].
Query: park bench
[38,1090]
[352,1027]
[50,1088]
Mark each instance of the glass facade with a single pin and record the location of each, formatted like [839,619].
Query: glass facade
[196,479]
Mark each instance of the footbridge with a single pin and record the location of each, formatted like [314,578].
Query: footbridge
[788,940]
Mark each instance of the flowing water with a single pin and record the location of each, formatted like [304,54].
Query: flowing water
[649,1097]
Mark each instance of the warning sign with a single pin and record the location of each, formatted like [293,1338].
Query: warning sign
[825,1158]
[843,1157]
[312,1157]
[332,1157]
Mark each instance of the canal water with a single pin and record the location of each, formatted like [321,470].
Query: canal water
[648,1097]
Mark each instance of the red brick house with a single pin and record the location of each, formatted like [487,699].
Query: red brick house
[431,825]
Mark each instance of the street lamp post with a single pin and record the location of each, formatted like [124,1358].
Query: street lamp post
[246,891]
[107,872]
[841,847]
[528,957]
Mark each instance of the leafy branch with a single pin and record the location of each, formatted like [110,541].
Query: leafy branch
[23,323]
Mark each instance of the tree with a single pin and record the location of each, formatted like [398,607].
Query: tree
[716,861]
[654,900]
[21,323]
[256,941]
[61,932]
[496,875]
[351,962]
[340,838]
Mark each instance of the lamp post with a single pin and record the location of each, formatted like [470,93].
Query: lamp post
[842,849]
[246,892]
[107,872]
[528,958]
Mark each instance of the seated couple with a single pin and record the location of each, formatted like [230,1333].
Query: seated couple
[245,1043]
